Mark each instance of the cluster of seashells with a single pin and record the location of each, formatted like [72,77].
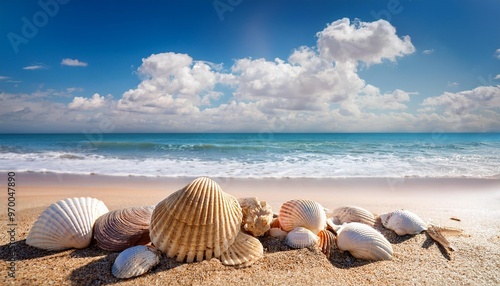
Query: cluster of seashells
[200,222]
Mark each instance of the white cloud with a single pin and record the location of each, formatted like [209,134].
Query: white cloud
[428,52]
[73,63]
[35,67]
[373,99]
[497,76]
[467,101]
[497,54]
[453,84]
[74,89]
[82,103]
[4,77]
[368,42]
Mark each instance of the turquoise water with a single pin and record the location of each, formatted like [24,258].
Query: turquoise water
[256,155]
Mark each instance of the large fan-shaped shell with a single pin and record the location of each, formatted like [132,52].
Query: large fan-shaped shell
[135,261]
[301,237]
[243,252]
[403,222]
[363,242]
[304,213]
[197,222]
[123,228]
[66,224]
[257,216]
[353,214]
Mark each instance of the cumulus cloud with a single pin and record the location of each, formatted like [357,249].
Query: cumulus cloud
[368,42]
[82,103]
[73,63]
[373,99]
[467,101]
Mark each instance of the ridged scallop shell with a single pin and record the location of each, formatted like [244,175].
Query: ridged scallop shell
[257,216]
[135,261]
[353,214]
[243,252]
[301,237]
[66,224]
[197,222]
[403,222]
[326,241]
[363,242]
[123,228]
[304,213]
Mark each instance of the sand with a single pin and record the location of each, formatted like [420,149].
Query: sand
[417,259]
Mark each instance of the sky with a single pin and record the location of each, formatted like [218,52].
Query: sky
[249,66]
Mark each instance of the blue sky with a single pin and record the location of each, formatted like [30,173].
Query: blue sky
[241,65]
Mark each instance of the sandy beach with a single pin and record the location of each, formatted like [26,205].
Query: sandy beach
[417,259]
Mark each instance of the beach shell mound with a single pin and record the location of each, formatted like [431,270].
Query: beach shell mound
[363,242]
[200,222]
[301,237]
[66,224]
[403,222]
[303,213]
[352,214]
[257,216]
[135,261]
[123,228]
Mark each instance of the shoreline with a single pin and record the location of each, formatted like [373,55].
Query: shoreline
[417,260]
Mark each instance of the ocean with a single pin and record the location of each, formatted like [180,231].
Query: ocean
[256,155]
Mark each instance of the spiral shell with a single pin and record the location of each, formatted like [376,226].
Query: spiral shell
[301,237]
[197,222]
[363,242]
[66,224]
[257,216]
[304,213]
[353,214]
[243,252]
[403,222]
[135,261]
[123,228]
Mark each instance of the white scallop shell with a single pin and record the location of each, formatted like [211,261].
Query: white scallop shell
[197,222]
[135,261]
[257,216]
[301,237]
[243,252]
[353,214]
[123,228]
[304,213]
[66,224]
[403,222]
[363,242]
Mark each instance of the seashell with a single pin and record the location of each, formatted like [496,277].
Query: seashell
[301,237]
[257,216]
[277,232]
[363,242]
[123,228]
[353,214]
[304,213]
[403,222]
[326,241]
[66,224]
[243,252]
[197,222]
[135,261]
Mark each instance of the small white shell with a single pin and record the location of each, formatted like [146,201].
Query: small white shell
[257,216]
[66,224]
[135,261]
[353,214]
[304,213]
[403,222]
[243,252]
[363,242]
[301,237]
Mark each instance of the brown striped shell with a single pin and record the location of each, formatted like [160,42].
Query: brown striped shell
[304,213]
[66,224]
[363,242]
[352,214]
[123,228]
[197,222]
[243,252]
[326,241]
